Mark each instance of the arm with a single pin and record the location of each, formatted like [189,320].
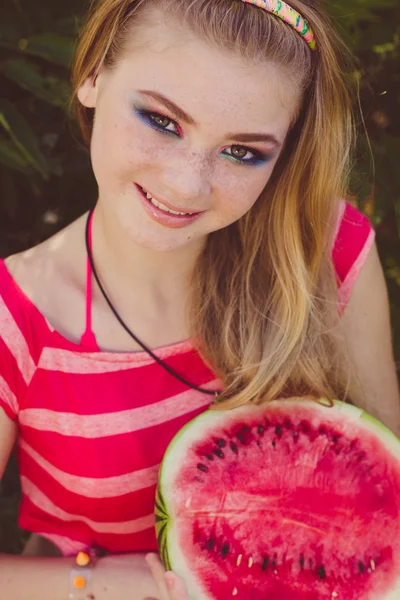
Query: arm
[366,332]
[36,578]
[116,577]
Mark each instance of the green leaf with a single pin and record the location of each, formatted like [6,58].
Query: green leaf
[23,137]
[13,159]
[28,76]
[54,48]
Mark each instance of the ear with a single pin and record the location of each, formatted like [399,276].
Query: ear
[87,93]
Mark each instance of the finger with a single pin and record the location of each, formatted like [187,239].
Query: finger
[157,571]
[176,587]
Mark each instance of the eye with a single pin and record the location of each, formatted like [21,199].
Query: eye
[159,122]
[246,156]
[239,152]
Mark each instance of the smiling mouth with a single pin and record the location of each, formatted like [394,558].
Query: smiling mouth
[164,207]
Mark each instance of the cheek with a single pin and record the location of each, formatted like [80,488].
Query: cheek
[240,187]
[117,147]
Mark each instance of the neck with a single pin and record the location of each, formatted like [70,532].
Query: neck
[137,273]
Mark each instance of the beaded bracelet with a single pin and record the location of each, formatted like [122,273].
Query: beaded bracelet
[80,577]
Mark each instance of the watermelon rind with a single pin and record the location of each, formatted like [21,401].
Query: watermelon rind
[169,547]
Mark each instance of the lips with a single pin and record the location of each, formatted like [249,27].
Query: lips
[165,214]
[166,206]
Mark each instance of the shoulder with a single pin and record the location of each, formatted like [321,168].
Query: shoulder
[36,286]
[45,275]
[41,268]
[353,242]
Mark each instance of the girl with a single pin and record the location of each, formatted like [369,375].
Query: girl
[220,257]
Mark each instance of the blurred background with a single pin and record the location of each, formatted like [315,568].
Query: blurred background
[45,177]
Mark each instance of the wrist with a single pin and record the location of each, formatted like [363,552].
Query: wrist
[120,576]
[80,577]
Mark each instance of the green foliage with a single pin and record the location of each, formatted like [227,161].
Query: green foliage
[24,140]
[45,179]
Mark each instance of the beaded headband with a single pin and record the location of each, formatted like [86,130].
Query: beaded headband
[290,16]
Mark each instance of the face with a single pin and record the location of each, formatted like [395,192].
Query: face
[184,127]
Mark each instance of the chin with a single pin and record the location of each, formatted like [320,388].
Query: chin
[169,242]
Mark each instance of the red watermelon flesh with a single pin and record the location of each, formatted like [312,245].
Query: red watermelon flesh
[289,501]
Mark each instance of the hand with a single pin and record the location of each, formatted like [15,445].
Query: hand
[171,587]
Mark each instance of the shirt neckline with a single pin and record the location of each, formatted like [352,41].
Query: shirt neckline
[65,343]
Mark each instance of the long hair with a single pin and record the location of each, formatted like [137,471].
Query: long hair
[264,303]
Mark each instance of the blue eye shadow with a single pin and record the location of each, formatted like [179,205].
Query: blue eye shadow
[145,117]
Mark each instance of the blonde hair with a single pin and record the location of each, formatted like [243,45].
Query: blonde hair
[264,310]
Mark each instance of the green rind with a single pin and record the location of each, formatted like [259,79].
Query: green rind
[162,522]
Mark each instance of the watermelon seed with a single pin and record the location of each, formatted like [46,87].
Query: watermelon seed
[304,427]
[372,563]
[246,428]
[250,563]
[361,457]
[211,544]
[239,559]
[233,447]
[295,435]
[209,456]
[218,453]
[278,431]
[265,562]
[335,439]
[322,430]
[221,443]
[288,424]
[234,592]
[240,437]
[274,561]
[259,443]
[361,567]
[301,562]
[273,443]
[260,429]
[224,550]
[321,572]
[202,467]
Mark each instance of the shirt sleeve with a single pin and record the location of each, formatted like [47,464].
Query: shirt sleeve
[354,239]
[16,363]
[8,381]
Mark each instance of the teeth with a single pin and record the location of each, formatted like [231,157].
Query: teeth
[162,206]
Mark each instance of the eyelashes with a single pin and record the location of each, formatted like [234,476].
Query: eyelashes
[158,122]
[167,126]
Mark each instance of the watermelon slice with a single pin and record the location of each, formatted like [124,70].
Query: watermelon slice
[293,500]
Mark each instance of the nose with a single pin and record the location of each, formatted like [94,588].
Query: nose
[187,179]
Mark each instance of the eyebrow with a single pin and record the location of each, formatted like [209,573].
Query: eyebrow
[172,107]
[183,116]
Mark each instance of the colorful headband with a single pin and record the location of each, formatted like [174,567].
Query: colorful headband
[290,16]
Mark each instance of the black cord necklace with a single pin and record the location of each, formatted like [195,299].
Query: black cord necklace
[119,319]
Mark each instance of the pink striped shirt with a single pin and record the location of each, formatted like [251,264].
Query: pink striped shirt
[94,425]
